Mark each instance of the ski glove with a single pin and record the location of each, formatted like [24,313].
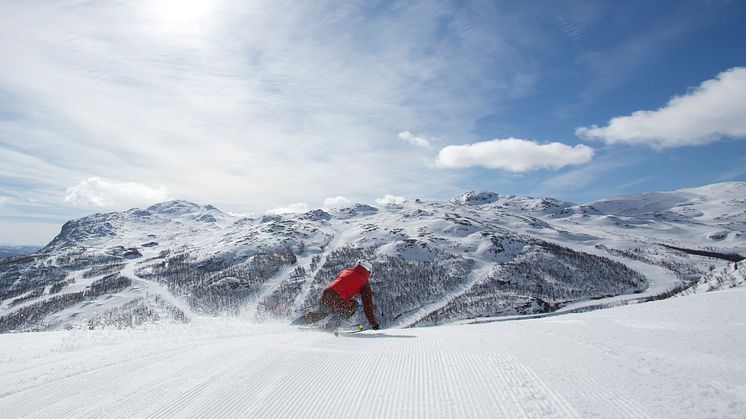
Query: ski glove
[376,326]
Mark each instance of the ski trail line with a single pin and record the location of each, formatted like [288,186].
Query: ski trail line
[306,288]
[188,380]
[153,287]
[481,269]
[647,360]
[51,396]
[268,287]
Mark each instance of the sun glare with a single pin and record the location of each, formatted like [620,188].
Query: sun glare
[179,15]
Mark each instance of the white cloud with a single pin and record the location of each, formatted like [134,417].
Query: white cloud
[715,109]
[157,88]
[514,155]
[337,201]
[240,214]
[297,208]
[418,140]
[3,200]
[391,199]
[96,192]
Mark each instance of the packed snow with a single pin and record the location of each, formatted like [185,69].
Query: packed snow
[680,357]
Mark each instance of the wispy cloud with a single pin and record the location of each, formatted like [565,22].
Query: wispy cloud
[418,140]
[573,18]
[337,201]
[584,177]
[253,105]
[613,64]
[97,192]
[513,154]
[735,173]
[635,182]
[243,104]
[713,110]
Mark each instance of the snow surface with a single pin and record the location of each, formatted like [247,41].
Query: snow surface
[680,357]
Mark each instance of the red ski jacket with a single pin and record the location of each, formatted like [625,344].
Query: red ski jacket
[351,282]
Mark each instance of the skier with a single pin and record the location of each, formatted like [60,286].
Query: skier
[338,296]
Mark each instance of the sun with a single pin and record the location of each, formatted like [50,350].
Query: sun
[179,15]
[181,10]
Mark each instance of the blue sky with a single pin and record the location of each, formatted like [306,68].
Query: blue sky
[283,106]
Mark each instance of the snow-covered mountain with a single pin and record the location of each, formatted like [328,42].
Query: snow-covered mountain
[721,205]
[480,254]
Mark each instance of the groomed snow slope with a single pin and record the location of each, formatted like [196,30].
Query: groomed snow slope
[675,358]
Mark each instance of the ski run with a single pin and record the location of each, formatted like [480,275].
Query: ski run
[681,357]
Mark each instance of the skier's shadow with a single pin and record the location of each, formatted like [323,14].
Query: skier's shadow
[378,336]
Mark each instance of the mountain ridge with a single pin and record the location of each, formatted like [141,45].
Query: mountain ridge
[480,254]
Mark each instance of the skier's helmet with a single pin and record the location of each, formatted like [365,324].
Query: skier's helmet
[365,264]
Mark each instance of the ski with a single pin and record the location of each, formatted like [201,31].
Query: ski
[349,330]
[341,330]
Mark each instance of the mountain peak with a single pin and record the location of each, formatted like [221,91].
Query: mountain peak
[316,215]
[357,209]
[476,198]
[175,207]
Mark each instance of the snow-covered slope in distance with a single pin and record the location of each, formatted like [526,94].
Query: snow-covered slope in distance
[681,357]
[481,254]
[729,276]
[713,215]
